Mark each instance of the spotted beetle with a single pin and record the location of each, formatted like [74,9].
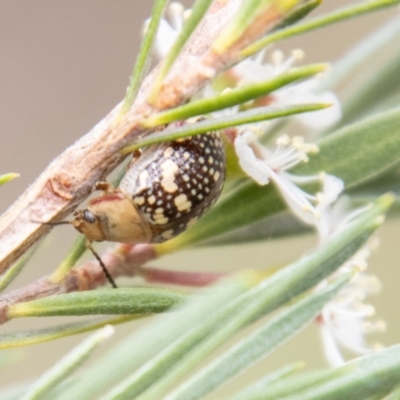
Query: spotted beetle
[164,191]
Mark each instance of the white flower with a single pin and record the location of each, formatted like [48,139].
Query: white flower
[256,70]
[344,321]
[264,165]
[169,28]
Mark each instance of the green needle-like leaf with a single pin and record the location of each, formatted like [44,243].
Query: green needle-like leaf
[389,182]
[7,277]
[8,177]
[373,375]
[257,345]
[299,12]
[103,301]
[238,25]
[234,97]
[297,383]
[25,338]
[245,117]
[250,12]
[198,10]
[265,382]
[384,83]
[359,152]
[359,55]
[144,56]
[68,364]
[342,14]
[76,252]
[277,226]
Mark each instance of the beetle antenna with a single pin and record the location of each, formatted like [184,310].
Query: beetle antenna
[55,223]
[102,265]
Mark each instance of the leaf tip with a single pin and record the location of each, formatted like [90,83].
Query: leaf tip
[8,177]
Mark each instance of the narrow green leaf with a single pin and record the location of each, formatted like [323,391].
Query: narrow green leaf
[251,305]
[359,152]
[276,376]
[373,375]
[299,12]
[389,182]
[102,301]
[245,117]
[67,364]
[7,277]
[234,97]
[374,90]
[8,177]
[342,14]
[76,252]
[297,383]
[359,55]
[256,345]
[199,8]
[277,226]
[26,338]
[155,337]
[143,59]
[250,12]
[235,29]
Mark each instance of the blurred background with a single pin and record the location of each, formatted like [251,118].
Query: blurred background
[64,65]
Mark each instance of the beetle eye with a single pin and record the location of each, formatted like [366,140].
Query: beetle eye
[89,217]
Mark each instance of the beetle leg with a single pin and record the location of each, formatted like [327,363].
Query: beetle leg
[105,187]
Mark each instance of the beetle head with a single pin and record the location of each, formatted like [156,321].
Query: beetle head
[113,217]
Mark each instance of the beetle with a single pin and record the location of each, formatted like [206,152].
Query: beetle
[165,190]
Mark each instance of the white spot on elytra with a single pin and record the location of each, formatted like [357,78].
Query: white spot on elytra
[151,199]
[168,152]
[216,176]
[139,200]
[169,168]
[160,219]
[186,177]
[168,234]
[182,202]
